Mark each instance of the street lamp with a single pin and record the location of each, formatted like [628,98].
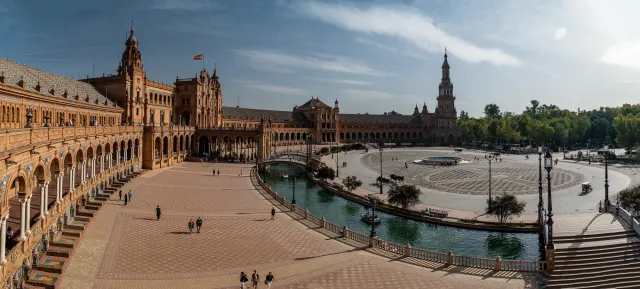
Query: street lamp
[490,157]
[380,170]
[337,167]
[293,200]
[606,177]
[540,204]
[372,200]
[548,165]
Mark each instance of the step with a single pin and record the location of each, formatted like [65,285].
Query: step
[581,236]
[599,256]
[42,279]
[94,204]
[51,264]
[84,218]
[101,198]
[598,245]
[71,233]
[92,208]
[627,279]
[589,238]
[594,274]
[64,242]
[59,252]
[575,267]
[75,226]
[84,214]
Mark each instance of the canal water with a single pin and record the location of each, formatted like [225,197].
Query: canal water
[337,210]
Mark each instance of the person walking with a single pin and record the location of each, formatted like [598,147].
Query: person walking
[218,172]
[268,280]
[120,195]
[243,279]
[214,172]
[158,212]
[130,195]
[273,213]
[126,199]
[198,224]
[241,172]
[255,278]
[191,225]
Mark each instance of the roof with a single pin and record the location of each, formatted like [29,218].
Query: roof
[14,72]
[314,102]
[251,113]
[379,118]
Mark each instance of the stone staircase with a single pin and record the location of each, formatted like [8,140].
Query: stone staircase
[50,266]
[606,257]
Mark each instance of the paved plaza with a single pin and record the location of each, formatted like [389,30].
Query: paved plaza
[126,247]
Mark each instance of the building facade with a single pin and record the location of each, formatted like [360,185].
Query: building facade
[65,139]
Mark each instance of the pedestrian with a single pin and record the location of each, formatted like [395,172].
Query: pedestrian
[158,212]
[218,172]
[191,226]
[255,278]
[120,195]
[126,199]
[273,213]
[268,280]
[198,224]
[130,195]
[214,172]
[243,279]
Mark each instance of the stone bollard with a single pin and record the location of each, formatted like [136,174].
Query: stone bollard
[551,260]
[322,222]
[306,214]
[293,208]
[498,263]
[449,260]
[407,250]
[344,231]
[373,241]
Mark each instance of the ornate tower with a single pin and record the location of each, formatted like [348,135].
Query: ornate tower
[446,99]
[131,68]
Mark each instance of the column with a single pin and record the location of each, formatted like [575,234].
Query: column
[46,198]
[110,159]
[42,201]
[23,202]
[93,167]
[72,177]
[117,157]
[83,171]
[59,187]
[3,240]
[101,163]
[27,219]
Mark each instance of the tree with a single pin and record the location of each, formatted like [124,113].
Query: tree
[464,115]
[404,196]
[628,128]
[492,110]
[630,198]
[351,183]
[504,207]
[324,151]
[325,173]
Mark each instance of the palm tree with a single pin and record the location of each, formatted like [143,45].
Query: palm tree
[404,196]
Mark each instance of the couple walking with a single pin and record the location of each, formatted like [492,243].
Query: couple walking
[127,196]
[255,279]
[197,224]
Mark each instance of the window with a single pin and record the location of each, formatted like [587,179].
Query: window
[137,111]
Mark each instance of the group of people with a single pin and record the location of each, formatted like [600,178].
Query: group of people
[255,279]
[127,196]
[191,225]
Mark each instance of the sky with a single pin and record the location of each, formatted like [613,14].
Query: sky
[372,56]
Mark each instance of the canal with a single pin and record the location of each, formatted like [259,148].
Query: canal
[434,237]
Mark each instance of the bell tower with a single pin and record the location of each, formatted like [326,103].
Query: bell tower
[446,99]
[132,70]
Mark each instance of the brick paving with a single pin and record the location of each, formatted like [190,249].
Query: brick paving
[125,247]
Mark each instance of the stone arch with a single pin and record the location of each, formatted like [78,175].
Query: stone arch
[157,148]
[181,146]
[451,139]
[116,150]
[136,148]
[130,150]
[17,185]
[175,144]
[90,153]
[203,144]
[54,167]
[165,146]
[123,145]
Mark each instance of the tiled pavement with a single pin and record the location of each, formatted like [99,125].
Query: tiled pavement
[125,247]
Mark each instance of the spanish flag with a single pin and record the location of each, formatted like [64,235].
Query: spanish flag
[198,57]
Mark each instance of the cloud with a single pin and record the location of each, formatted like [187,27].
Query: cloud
[342,81]
[389,48]
[560,33]
[277,89]
[190,5]
[625,54]
[367,94]
[404,24]
[280,61]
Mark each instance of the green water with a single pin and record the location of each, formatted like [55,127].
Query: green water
[468,242]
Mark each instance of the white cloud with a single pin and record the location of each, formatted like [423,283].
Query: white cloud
[404,24]
[389,48]
[278,89]
[367,94]
[560,33]
[191,5]
[625,54]
[342,81]
[326,63]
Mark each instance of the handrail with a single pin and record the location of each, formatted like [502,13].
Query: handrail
[406,250]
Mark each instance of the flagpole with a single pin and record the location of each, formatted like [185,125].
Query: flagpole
[203,61]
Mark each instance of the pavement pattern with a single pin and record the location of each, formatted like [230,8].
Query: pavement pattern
[126,247]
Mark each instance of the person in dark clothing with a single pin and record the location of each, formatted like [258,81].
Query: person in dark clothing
[126,199]
[198,224]
[273,213]
[243,280]
[269,279]
[158,212]
[120,195]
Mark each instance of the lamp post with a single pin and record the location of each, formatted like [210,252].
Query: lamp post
[588,152]
[372,200]
[490,157]
[337,167]
[380,170]
[548,165]
[540,203]
[606,177]
[293,200]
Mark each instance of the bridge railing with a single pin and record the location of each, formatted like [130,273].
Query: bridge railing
[406,250]
[627,217]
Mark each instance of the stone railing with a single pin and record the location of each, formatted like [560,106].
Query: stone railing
[171,128]
[22,250]
[23,137]
[627,217]
[406,250]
